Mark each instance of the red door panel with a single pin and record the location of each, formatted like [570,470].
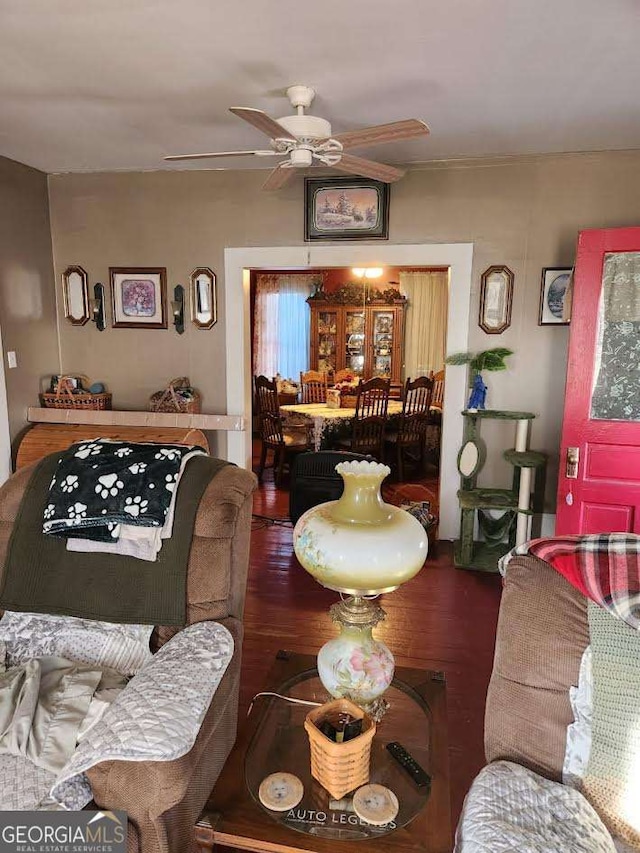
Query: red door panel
[598,518]
[602,397]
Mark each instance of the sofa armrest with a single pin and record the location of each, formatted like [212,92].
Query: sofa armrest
[163,799]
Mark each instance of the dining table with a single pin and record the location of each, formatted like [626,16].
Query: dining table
[325,422]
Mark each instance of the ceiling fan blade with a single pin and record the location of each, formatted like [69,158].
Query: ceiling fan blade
[392,132]
[278,178]
[221,154]
[369,169]
[262,121]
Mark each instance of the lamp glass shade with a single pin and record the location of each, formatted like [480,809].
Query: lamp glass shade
[360,545]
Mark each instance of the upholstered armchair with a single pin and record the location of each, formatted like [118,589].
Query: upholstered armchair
[163,798]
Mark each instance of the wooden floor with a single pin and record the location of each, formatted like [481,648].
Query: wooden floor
[444,619]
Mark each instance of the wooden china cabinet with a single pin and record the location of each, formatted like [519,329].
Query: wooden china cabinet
[365,338]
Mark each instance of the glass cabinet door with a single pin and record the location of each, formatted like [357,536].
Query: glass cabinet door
[382,343]
[327,344]
[354,341]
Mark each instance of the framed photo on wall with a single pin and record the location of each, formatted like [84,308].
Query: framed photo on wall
[139,297]
[346,209]
[555,296]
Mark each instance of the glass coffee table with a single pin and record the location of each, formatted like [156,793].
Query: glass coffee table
[274,739]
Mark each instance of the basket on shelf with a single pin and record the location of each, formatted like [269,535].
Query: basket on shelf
[178,396]
[340,767]
[67,396]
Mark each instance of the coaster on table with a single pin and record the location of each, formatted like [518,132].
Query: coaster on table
[375,804]
[280,792]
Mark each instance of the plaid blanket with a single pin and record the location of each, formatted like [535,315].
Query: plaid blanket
[605,567]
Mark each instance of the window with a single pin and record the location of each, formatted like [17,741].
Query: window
[281,324]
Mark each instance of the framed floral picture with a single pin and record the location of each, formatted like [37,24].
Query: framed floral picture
[346,209]
[139,297]
[555,296]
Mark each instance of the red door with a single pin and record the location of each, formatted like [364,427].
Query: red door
[602,399]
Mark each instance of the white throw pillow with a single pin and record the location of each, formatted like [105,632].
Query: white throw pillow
[124,648]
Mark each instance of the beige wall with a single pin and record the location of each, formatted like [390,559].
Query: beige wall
[522,212]
[27,293]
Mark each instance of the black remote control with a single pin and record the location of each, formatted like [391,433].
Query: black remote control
[419,776]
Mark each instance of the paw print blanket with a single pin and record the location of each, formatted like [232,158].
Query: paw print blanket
[99,485]
[42,576]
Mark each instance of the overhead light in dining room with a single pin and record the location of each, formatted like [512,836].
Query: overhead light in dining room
[367,272]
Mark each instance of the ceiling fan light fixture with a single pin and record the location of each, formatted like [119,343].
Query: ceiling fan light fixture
[300,158]
[303,138]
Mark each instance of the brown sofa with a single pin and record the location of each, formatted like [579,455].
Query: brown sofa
[542,633]
[164,799]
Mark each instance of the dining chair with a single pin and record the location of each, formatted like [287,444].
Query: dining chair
[438,391]
[342,375]
[412,426]
[283,442]
[434,432]
[367,426]
[314,386]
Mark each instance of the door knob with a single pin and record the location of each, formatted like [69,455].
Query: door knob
[571,467]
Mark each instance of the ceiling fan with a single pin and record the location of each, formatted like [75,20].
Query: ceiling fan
[302,139]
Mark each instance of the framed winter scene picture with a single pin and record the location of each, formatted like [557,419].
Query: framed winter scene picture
[555,296]
[139,297]
[346,209]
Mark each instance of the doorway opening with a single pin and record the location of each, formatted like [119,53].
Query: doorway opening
[317,329]
[239,262]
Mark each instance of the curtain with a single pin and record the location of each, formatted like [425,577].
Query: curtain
[425,337]
[281,327]
[293,325]
[265,327]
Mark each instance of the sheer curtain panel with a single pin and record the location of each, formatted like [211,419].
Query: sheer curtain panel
[425,336]
[293,325]
[281,325]
[265,327]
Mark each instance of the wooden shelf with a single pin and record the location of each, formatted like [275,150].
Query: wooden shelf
[227,423]
[498,415]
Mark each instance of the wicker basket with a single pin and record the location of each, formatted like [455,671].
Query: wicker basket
[340,767]
[348,401]
[65,397]
[172,400]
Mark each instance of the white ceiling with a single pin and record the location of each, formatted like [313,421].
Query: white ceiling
[94,85]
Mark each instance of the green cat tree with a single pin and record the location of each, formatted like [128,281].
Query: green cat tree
[512,526]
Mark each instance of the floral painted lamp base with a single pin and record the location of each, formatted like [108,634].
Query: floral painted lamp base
[354,665]
[361,547]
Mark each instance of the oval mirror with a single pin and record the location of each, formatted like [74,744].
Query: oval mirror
[76,296]
[470,458]
[203,298]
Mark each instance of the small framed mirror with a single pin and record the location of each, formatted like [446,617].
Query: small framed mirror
[496,296]
[204,311]
[75,293]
